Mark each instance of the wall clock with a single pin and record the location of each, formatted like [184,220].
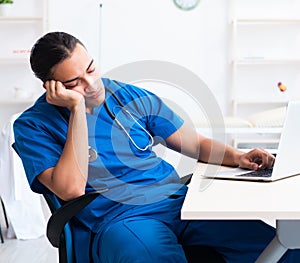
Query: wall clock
[186,4]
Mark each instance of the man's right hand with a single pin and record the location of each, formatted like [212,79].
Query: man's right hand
[57,94]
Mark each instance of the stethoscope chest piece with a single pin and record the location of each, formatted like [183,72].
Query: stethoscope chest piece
[92,154]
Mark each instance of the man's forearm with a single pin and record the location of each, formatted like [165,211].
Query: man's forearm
[218,153]
[70,173]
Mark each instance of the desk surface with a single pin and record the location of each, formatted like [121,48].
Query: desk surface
[230,199]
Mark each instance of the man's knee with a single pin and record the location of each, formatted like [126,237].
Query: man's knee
[140,241]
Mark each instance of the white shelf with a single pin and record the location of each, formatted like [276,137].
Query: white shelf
[16,102]
[245,130]
[21,19]
[12,61]
[264,61]
[246,144]
[245,101]
[254,130]
[249,21]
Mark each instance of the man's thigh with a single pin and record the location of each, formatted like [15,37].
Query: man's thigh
[139,240]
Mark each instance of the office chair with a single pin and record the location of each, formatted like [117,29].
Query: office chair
[59,231]
[60,236]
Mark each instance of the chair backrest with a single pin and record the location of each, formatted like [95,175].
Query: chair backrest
[65,248]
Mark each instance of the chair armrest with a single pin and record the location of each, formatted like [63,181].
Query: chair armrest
[186,179]
[62,215]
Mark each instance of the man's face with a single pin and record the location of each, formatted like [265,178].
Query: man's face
[79,73]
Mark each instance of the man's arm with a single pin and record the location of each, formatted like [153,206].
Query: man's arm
[187,141]
[68,178]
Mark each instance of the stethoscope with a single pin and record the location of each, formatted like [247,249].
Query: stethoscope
[93,153]
[123,108]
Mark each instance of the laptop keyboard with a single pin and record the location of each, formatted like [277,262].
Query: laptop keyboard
[258,173]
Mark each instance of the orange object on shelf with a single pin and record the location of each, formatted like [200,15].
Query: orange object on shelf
[281,87]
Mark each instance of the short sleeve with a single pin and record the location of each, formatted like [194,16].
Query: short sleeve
[40,134]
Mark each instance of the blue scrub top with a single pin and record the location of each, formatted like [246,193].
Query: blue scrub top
[138,181]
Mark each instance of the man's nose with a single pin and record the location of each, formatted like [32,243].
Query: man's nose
[90,84]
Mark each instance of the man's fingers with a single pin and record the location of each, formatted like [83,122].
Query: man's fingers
[258,159]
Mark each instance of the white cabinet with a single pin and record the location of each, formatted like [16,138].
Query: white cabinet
[26,22]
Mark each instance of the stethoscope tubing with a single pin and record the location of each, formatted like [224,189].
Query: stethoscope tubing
[113,117]
[117,99]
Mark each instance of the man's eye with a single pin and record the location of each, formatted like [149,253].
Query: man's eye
[71,86]
[91,70]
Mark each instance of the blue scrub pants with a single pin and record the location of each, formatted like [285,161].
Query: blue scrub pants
[149,240]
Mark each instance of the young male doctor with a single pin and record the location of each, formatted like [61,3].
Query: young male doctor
[78,137]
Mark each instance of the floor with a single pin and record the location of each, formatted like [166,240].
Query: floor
[20,251]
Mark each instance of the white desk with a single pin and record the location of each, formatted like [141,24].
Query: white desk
[229,199]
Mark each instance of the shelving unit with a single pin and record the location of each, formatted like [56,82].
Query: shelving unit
[268,45]
[25,24]
[264,51]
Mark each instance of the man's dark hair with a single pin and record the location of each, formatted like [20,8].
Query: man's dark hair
[50,50]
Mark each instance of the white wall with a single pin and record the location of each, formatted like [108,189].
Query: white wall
[80,18]
[18,85]
[133,30]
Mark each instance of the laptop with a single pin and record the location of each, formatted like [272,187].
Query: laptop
[287,162]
